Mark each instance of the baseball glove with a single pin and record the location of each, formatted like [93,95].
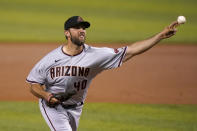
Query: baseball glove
[61,97]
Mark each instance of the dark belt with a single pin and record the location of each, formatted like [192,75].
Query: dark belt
[72,106]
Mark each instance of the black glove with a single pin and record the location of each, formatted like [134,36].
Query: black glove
[61,97]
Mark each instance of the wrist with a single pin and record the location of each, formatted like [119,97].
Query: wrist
[48,97]
[159,36]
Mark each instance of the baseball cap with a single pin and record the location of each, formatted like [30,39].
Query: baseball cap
[75,21]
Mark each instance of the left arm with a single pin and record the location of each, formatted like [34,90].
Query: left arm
[144,45]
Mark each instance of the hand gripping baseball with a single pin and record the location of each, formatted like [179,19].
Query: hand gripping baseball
[169,30]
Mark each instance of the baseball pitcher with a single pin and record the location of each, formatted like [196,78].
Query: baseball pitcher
[61,78]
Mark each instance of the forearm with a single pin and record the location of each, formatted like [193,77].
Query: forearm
[142,46]
[38,91]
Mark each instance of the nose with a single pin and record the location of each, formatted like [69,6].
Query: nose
[82,31]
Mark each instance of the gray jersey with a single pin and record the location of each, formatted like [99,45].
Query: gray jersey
[59,71]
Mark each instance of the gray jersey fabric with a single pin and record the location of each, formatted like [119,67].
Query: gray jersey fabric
[59,71]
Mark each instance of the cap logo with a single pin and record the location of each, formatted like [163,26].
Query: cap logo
[79,19]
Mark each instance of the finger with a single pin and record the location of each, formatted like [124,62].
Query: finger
[171,33]
[175,30]
[173,24]
[54,100]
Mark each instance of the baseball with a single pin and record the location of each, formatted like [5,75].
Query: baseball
[181,19]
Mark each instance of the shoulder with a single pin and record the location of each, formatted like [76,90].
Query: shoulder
[97,49]
[50,57]
[56,51]
[105,50]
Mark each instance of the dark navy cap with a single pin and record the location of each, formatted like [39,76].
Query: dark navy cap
[75,21]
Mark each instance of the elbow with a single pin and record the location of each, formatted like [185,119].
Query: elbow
[31,88]
[137,49]
[136,52]
[132,51]
[127,57]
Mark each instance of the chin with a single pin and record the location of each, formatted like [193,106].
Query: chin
[82,42]
[79,43]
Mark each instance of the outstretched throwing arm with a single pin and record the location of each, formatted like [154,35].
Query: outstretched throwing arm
[142,46]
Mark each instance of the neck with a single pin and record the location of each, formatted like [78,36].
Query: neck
[72,49]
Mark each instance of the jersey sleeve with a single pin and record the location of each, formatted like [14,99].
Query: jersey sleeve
[112,58]
[37,74]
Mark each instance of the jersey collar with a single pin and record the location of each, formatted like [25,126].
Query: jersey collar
[84,49]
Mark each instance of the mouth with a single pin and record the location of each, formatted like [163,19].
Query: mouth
[82,35]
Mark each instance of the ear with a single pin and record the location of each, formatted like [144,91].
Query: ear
[67,33]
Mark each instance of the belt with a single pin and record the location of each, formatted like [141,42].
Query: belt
[72,106]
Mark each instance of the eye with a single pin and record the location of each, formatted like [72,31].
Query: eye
[79,27]
[76,27]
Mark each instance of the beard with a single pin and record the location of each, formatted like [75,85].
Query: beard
[77,41]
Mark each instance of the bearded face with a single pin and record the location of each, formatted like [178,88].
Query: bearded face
[77,35]
[78,39]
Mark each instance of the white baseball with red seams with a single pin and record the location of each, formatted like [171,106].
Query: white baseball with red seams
[181,19]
